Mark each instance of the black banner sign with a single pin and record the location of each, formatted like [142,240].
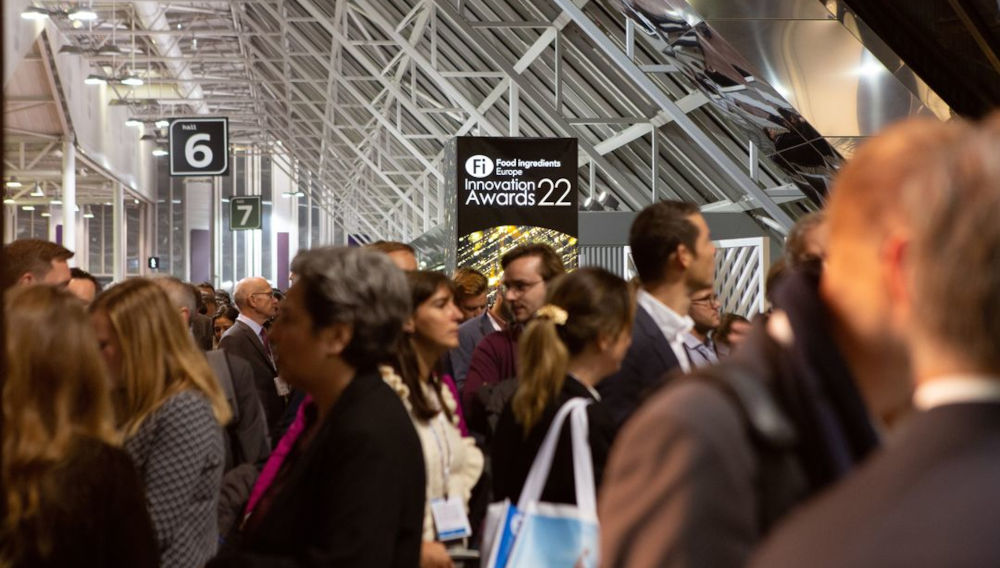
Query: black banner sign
[516,181]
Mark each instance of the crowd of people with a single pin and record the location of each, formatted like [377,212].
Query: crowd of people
[369,415]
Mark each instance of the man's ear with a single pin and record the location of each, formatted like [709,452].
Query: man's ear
[409,326]
[683,256]
[26,279]
[335,339]
[186,315]
[895,262]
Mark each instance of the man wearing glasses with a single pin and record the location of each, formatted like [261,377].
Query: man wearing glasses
[248,340]
[698,342]
[527,270]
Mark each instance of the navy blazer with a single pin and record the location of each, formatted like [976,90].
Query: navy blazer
[644,368]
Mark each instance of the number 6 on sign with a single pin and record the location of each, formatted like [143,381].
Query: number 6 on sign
[192,147]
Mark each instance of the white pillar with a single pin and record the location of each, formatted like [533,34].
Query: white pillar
[69,194]
[117,232]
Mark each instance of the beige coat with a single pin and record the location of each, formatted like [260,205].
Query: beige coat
[466,459]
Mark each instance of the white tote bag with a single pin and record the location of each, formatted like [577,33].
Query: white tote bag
[548,534]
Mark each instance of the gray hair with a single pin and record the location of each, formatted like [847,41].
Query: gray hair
[181,295]
[359,287]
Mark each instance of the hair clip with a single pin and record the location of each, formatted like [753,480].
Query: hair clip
[554,313]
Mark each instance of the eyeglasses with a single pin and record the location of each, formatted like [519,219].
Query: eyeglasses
[519,287]
[270,293]
[712,300]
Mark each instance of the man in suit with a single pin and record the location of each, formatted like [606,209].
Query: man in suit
[712,463]
[930,498]
[674,256]
[248,340]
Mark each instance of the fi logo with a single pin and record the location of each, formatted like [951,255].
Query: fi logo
[479,166]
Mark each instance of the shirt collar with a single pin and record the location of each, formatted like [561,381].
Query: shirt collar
[956,389]
[674,326]
[256,327]
[691,341]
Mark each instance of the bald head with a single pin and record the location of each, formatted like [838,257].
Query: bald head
[254,297]
[871,214]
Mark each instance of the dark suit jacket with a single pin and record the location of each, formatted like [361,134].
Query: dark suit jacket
[240,341]
[201,329]
[354,497]
[646,363]
[513,452]
[930,499]
[246,434]
[470,334]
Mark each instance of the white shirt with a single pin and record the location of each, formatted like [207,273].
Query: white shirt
[494,321]
[256,327]
[672,325]
[957,389]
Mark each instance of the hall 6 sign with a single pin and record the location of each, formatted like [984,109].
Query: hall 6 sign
[199,146]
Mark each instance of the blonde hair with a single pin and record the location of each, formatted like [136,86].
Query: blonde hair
[159,357]
[582,306]
[56,390]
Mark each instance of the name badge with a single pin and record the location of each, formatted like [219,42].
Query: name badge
[450,519]
[282,387]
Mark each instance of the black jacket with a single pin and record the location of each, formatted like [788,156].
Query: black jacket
[513,452]
[92,512]
[353,497]
[644,369]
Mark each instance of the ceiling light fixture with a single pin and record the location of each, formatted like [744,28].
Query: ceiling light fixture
[160,152]
[162,123]
[95,79]
[55,202]
[46,214]
[88,214]
[35,13]
[134,122]
[132,80]
[13,183]
[38,191]
[293,194]
[82,15]
[27,207]
[9,201]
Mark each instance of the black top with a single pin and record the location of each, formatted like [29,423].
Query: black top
[92,512]
[353,497]
[513,452]
[645,368]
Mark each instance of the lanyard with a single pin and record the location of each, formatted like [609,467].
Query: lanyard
[444,449]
